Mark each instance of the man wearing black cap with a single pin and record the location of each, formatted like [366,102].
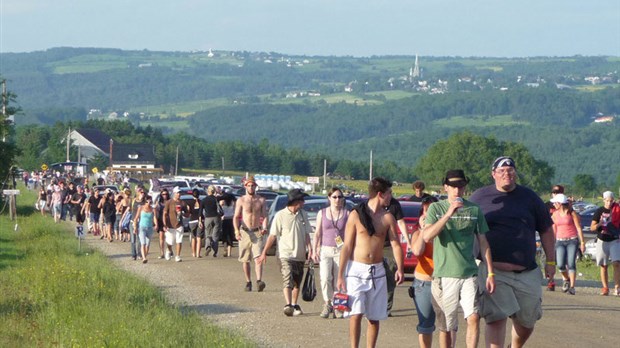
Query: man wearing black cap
[457,223]
[514,213]
[292,229]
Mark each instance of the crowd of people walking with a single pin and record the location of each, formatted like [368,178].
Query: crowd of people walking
[477,253]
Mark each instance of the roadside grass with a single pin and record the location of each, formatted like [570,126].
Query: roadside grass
[55,295]
[589,270]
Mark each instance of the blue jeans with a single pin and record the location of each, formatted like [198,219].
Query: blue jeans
[566,253]
[135,243]
[423,306]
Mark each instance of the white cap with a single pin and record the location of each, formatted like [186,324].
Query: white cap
[608,195]
[176,189]
[559,198]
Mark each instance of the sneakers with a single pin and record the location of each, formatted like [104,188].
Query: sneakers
[168,255]
[297,310]
[338,314]
[604,291]
[288,310]
[571,291]
[178,259]
[566,286]
[551,285]
[327,308]
[248,286]
[261,285]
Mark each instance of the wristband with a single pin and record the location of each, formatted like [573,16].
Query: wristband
[551,263]
[491,275]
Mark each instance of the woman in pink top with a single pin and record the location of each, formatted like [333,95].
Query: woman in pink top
[569,237]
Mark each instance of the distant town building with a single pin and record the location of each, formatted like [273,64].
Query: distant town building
[604,119]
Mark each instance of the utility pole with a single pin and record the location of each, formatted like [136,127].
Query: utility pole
[68,142]
[370,178]
[176,164]
[324,174]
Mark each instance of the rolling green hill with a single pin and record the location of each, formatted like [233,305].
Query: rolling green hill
[341,106]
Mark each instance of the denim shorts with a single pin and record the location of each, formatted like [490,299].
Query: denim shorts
[423,306]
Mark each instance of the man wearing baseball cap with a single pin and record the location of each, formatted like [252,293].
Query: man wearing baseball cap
[457,224]
[514,213]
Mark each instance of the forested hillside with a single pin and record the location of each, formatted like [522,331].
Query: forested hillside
[337,106]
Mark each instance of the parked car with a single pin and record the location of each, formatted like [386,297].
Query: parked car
[279,202]
[590,251]
[156,185]
[586,218]
[103,188]
[312,205]
[188,197]
[411,212]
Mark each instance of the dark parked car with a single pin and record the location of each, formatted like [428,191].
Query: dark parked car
[586,219]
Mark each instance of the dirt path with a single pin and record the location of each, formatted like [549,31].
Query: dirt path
[214,288]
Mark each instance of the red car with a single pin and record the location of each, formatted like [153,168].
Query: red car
[411,211]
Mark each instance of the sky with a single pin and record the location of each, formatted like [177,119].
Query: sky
[360,28]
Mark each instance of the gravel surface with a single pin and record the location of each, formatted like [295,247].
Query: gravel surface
[214,287]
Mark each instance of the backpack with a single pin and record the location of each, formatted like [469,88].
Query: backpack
[613,227]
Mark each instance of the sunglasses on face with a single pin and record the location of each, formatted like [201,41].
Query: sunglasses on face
[337,197]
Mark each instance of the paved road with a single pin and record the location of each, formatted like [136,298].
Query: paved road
[214,288]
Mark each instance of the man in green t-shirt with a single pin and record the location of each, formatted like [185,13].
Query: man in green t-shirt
[457,224]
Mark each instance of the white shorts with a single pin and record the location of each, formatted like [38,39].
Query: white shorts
[606,251]
[367,290]
[174,236]
[450,292]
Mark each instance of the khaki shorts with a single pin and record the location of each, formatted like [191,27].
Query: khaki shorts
[292,273]
[449,293]
[251,245]
[517,295]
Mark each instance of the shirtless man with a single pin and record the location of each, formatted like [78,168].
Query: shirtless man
[250,232]
[362,260]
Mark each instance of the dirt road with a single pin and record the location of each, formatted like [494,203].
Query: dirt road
[214,288]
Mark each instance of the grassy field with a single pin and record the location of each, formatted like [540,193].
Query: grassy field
[56,295]
[478,121]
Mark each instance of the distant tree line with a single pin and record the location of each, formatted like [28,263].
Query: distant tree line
[44,144]
[473,153]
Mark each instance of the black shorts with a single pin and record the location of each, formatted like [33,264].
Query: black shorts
[109,219]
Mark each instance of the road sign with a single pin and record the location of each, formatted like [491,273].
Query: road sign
[44,166]
[313,180]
